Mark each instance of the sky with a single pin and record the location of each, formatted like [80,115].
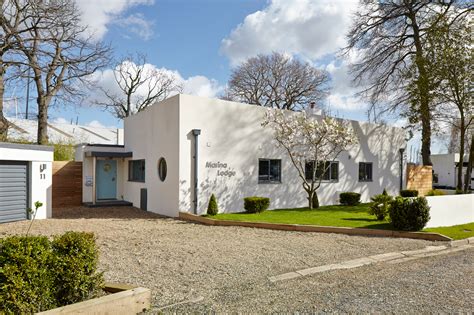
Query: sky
[200,41]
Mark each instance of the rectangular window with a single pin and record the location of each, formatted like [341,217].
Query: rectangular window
[136,171]
[326,171]
[365,172]
[269,171]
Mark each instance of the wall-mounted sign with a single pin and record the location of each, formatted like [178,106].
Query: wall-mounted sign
[222,169]
[89,181]
[42,169]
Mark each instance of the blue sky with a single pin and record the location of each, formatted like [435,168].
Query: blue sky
[201,40]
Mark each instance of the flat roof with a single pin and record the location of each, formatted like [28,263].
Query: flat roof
[21,146]
[110,154]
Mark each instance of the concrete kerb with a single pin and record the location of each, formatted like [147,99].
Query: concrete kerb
[315,228]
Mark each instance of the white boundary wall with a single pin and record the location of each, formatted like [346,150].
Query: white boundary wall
[451,210]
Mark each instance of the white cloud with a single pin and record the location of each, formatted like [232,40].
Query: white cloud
[96,124]
[201,86]
[310,28]
[98,14]
[137,24]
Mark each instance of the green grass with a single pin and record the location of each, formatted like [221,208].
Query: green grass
[343,216]
[456,232]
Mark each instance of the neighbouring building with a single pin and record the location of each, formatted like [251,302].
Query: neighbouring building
[178,152]
[25,177]
[445,170]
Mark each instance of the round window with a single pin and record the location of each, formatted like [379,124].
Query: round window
[162,169]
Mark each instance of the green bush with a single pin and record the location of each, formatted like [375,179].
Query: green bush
[212,208]
[76,267]
[435,192]
[37,274]
[380,205]
[409,193]
[459,192]
[349,198]
[409,214]
[26,279]
[256,204]
[63,151]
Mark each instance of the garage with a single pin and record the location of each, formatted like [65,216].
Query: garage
[25,177]
[13,191]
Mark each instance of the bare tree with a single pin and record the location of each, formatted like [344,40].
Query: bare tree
[277,81]
[139,86]
[389,36]
[15,13]
[451,61]
[59,50]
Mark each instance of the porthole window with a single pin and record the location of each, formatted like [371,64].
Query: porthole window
[162,169]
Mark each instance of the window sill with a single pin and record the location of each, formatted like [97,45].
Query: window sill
[136,181]
[269,182]
[365,181]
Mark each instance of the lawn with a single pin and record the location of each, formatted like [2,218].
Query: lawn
[456,232]
[343,216]
[348,216]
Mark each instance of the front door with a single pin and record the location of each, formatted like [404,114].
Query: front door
[106,179]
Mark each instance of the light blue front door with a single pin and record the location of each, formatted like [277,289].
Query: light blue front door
[106,179]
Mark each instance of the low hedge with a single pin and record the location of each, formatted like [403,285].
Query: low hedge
[349,198]
[409,214]
[256,204]
[435,192]
[409,193]
[37,274]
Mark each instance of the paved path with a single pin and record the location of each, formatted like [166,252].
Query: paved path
[391,258]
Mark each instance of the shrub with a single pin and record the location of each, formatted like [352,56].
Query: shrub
[349,198]
[409,214]
[256,204]
[435,192]
[384,192]
[75,267]
[37,274]
[409,193]
[63,151]
[25,275]
[212,208]
[459,191]
[380,205]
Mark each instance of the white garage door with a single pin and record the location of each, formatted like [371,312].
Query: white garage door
[13,191]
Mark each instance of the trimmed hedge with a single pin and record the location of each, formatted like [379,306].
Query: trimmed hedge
[37,274]
[212,208]
[409,193]
[256,204]
[409,214]
[435,192]
[349,198]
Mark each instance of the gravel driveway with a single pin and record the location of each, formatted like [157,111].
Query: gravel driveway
[228,267]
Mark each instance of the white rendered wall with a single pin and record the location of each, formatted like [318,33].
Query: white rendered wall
[40,174]
[444,167]
[451,210]
[231,133]
[150,135]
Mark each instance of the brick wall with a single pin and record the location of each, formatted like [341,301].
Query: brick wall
[420,177]
[67,184]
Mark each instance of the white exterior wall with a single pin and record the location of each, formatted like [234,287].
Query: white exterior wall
[450,210]
[150,135]
[444,167]
[231,133]
[40,183]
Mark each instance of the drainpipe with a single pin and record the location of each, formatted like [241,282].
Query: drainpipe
[196,133]
[401,168]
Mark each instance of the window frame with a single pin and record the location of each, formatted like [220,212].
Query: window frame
[130,171]
[269,181]
[371,179]
[323,180]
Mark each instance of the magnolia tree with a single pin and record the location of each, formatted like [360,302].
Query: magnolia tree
[311,142]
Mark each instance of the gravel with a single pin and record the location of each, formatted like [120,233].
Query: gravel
[228,267]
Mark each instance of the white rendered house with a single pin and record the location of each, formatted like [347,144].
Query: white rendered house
[181,150]
[445,170]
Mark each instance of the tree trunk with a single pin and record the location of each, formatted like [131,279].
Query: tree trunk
[423,87]
[461,155]
[42,121]
[3,120]
[470,165]
[313,200]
